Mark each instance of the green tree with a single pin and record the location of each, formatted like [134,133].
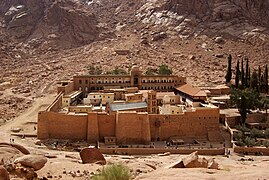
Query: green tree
[254,81]
[259,78]
[228,76]
[245,100]
[151,71]
[118,71]
[264,104]
[242,75]
[266,78]
[247,74]
[165,70]
[237,75]
[95,70]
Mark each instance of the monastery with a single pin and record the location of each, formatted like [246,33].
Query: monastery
[130,109]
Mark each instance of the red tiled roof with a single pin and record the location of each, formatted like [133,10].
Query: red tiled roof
[190,90]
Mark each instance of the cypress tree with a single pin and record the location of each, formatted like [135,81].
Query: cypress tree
[254,81]
[266,78]
[259,78]
[262,84]
[247,74]
[228,76]
[243,109]
[242,75]
[237,75]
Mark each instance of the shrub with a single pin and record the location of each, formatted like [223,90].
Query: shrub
[114,172]
[249,141]
[255,133]
[242,128]
[266,133]
[239,135]
[266,143]
[165,70]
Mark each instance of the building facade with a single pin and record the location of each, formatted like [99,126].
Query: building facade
[92,83]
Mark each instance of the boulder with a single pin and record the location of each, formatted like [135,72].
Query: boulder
[92,155]
[19,147]
[4,175]
[193,161]
[34,161]
[212,164]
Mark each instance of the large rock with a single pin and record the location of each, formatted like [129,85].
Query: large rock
[4,175]
[34,161]
[19,147]
[193,161]
[92,155]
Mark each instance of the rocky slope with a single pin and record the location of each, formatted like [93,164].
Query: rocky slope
[44,41]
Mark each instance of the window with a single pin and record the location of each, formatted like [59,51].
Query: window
[86,81]
[79,81]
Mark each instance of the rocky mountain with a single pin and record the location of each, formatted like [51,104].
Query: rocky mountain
[45,41]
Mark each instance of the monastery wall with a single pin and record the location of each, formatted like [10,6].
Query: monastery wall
[189,124]
[54,125]
[56,104]
[251,150]
[132,128]
[106,125]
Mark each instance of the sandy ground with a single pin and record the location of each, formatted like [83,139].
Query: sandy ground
[64,164]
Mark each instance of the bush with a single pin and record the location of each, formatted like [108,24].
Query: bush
[165,70]
[250,142]
[266,143]
[255,133]
[240,142]
[242,128]
[266,133]
[239,135]
[114,172]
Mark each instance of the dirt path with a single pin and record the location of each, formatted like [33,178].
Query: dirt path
[30,115]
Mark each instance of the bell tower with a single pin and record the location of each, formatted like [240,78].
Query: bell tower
[136,74]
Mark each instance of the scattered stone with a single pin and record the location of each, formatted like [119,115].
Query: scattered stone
[192,57]
[212,164]
[38,142]
[4,175]
[164,154]
[219,40]
[152,166]
[35,161]
[219,55]
[92,155]
[16,130]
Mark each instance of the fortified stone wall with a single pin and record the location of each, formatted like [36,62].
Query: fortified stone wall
[190,124]
[57,103]
[106,125]
[52,125]
[251,150]
[132,128]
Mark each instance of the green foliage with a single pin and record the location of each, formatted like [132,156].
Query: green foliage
[151,71]
[266,133]
[242,128]
[165,70]
[255,133]
[118,71]
[237,75]
[266,78]
[114,172]
[249,141]
[247,75]
[95,70]
[239,135]
[254,81]
[242,75]
[228,76]
[245,100]
[266,143]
